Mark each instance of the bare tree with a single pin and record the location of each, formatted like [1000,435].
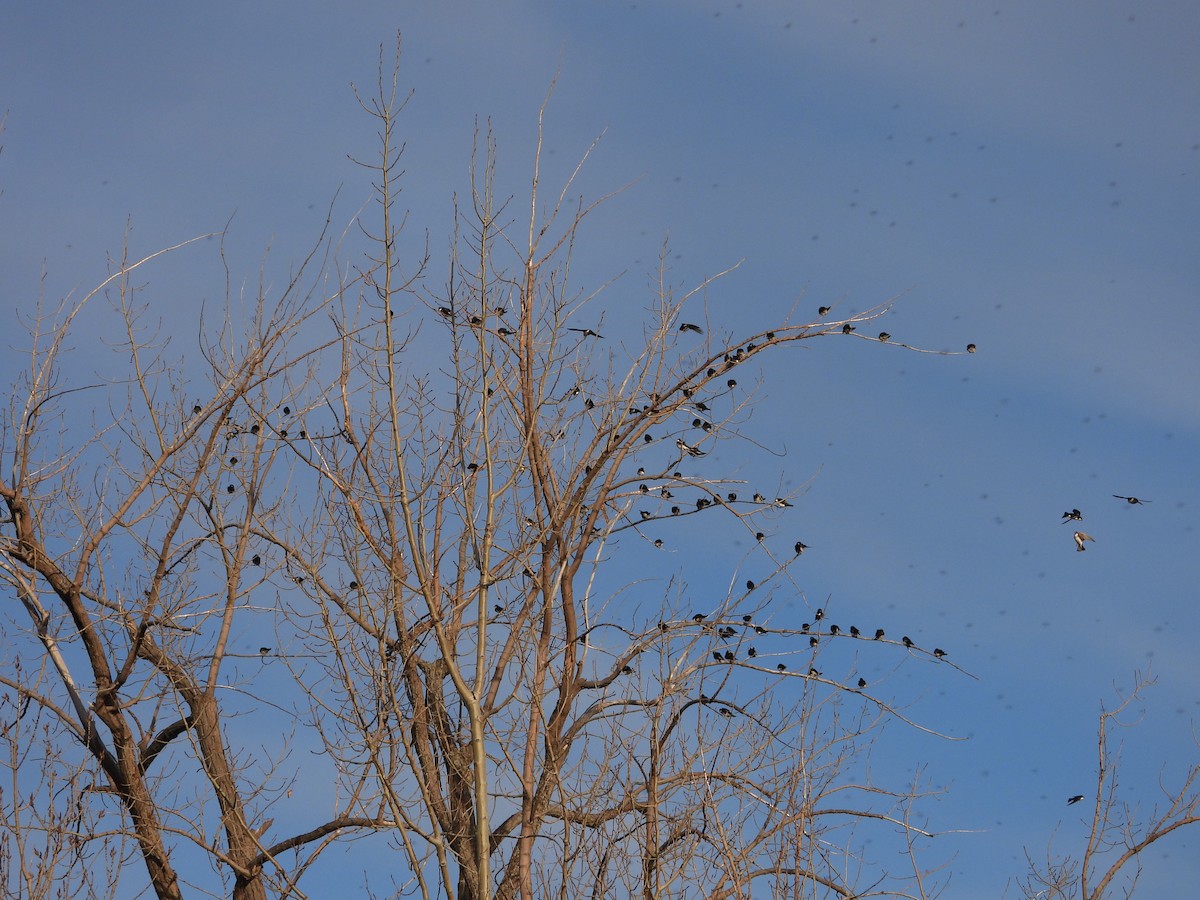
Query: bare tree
[464,572]
[1120,833]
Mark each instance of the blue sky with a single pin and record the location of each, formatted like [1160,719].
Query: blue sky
[1026,175]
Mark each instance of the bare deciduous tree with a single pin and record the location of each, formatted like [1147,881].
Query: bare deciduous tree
[1120,833]
[480,649]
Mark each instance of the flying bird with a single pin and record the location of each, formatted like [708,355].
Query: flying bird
[689,450]
[587,332]
[688,326]
[1080,537]
[1073,515]
[1132,501]
[1074,799]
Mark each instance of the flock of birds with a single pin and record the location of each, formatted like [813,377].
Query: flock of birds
[1074,515]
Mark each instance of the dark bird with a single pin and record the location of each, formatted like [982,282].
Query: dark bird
[658,543]
[497,609]
[233,460]
[884,337]
[1074,799]
[230,489]
[731,497]
[643,489]
[770,335]
[800,547]
[649,438]
[780,666]
[759,498]
[626,670]
[813,673]
[674,510]
[446,312]
[820,614]
[717,655]
[907,641]
[662,626]
[752,653]
[781,502]
[644,514]
[729,657]
[254,429]
[731,383]
[804,627]
[939,652]
[758,536]
[758,629]
[1132,501]
[504,332]
[878,634]
[256,560]
[699,617]
[587,332]
[196,410]
[475,320]
[689,450]
[1073,515]
[747,619]
[822,310]
[353,585]
[847,328]
[749,585]
[854,632]
[727,713]
[833,629]
[589,403]
[688,326]
[287,410]
[862,682]
[970,348]
[263,651]
[1080,537]
[812,642]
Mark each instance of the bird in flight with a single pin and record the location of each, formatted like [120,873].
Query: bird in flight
[689,450]
[1074,799]
[1132,501]
[1073,515]
[1080,537]
[587,332]
[688,326]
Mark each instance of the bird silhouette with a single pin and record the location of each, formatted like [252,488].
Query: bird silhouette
[878,634]
[1132,501]
[1074,799]
[884,337]
[256,560]
[689,450]
[752,653]
[970,348]
[699,617]
[800,547]
[822,311]
[854,632]
[263,651]
[1074,515]
[833,629]
[939,652]
[813,672]
[688,326]
[780,666]
[1080,537]
[587,332]
[782,503]
[758,629]
[717,655]
[758,536]
[749,585]
[747,619]
[820,614]
[907,641]
[812,642]
[196,410]
[847,328]
[862,682]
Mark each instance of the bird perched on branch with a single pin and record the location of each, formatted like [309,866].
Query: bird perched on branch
[689,450]
[1074,515]
[847,328]
[1080,537]
[884,337]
